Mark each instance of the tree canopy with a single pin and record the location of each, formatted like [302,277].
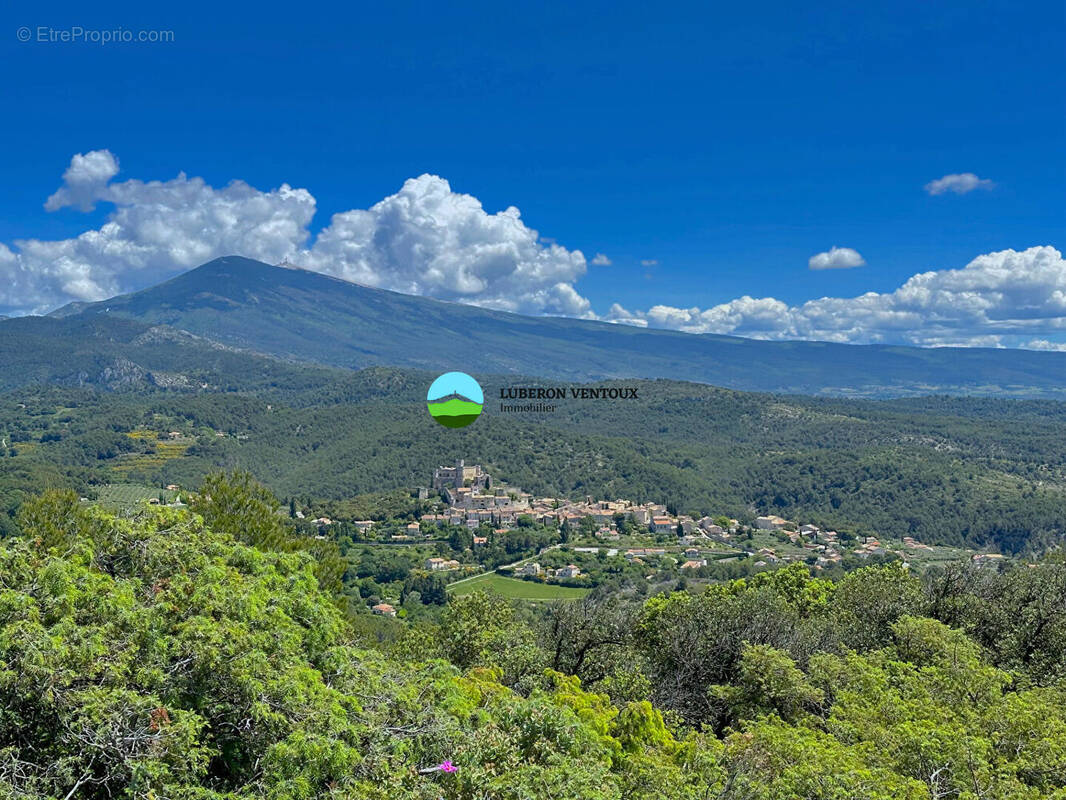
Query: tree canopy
[151,655]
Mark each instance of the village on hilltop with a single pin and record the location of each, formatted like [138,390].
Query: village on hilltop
[472,499]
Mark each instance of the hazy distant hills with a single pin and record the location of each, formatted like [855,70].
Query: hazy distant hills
[305,316]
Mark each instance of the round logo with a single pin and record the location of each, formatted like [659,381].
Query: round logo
[455,399]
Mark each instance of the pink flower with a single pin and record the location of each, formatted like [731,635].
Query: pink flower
[447,766]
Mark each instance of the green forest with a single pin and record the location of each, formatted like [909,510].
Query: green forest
[206,652]
[954,471]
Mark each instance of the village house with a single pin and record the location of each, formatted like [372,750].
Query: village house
[569,571]
[532,569]
[641,516]
[458,497]
[663,524]
[871,548]
[707,526]
[694,564]
[602,513]
[770,523]
[384,610]
[571,518]
[441,564]
[768,554]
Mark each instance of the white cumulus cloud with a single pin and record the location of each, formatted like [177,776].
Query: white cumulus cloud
[84,180]
[998,299]
[836,258]
[600,260]
[1044,344]
[960,183]
[425,239]
[157,229]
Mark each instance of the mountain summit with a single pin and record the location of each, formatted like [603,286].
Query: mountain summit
[306,316]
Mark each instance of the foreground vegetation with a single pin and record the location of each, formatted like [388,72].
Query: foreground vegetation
[202,654]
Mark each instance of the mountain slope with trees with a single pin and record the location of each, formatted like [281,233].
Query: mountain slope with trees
[296,314]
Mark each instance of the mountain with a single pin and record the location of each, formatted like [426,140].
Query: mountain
[301,315]
[454,396]
[117,354]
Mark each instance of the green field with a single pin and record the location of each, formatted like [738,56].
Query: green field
[455,413]
[126,495]
[517,589]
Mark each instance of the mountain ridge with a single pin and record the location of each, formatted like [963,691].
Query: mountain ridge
[453,396]
[300,315]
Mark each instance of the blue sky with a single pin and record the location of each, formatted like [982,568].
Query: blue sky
[727,145]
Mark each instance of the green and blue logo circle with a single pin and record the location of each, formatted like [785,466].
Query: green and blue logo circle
[455,399]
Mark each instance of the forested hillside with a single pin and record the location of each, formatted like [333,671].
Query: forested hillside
[122,355]
[151,656]
[952,471]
